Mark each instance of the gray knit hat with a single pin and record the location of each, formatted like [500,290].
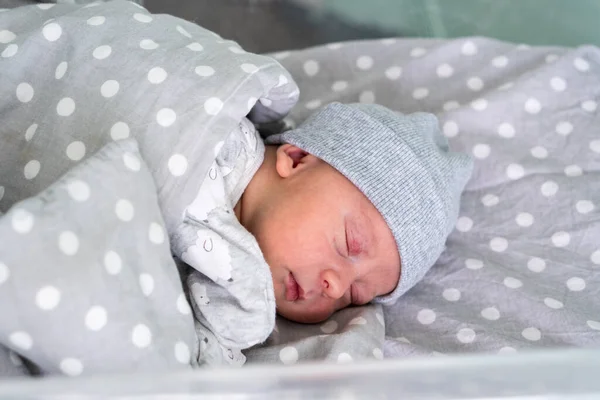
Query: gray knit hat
[403,165]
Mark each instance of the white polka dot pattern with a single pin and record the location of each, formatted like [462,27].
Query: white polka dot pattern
[329,327]
[451,294]
[490,200]
[490,313]
[533,106]
[364,62]
[52,32]
[204,70]
[418,52]
[500,62]
[96,21]
[76,150]
[112,262]
[499,244]
[420,93]
[358,321]
[378,354]
[512,283]
[393,73]
[148,44]
[507,350]
[96,318]
[339,86]
[573,171]
[182,353]
[146,284]
[22,221]
[156,233]
[311,67]
[595,325]
[124,210]
[68,242]
[61,70]
[157,75]
[426,316]
[166,117]
[4,273]
[288,355]
[132,161]
[524,220]
[141,336]
[561,239]
[473,264]
[195,46]
[479,104]
[515,171]
[213,106]
[532,334]
[552,303]
[65,107]
[10,50]
[78,190]
[177,164]
[21,340]
[445,71]
[102,52]
[576,284]
[47,298]
[595,257]
[469,48]
[120,130]
[464,224]
[7,36]
[24,92]
[182,305]
[536,264]
[451,129]
[466,335]
[481,151]
[71,366]
[142,18]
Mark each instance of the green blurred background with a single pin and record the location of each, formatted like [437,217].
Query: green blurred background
[274,25]
[536,22]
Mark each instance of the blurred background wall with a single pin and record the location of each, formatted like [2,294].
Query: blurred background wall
[274,25]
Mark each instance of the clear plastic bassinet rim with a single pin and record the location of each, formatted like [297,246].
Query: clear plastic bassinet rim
[556,374]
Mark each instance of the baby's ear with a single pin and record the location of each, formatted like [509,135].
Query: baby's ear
[291,159]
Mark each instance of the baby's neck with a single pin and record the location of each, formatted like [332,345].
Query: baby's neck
[237,210]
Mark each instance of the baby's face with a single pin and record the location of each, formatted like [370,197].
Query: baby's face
[327,246]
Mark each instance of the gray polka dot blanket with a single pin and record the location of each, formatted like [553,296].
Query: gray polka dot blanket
[110,117]
[520,271]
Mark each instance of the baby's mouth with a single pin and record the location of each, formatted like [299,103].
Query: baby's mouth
[293,291]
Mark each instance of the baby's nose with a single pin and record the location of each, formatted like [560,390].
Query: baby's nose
[334,285]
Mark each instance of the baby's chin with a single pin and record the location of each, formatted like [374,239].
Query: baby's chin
[295,313]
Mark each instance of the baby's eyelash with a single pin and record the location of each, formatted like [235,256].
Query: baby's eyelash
[347,242]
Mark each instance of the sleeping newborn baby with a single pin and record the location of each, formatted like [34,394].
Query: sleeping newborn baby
[353,206]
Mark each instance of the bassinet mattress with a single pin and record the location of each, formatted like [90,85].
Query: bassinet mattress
[522,268]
